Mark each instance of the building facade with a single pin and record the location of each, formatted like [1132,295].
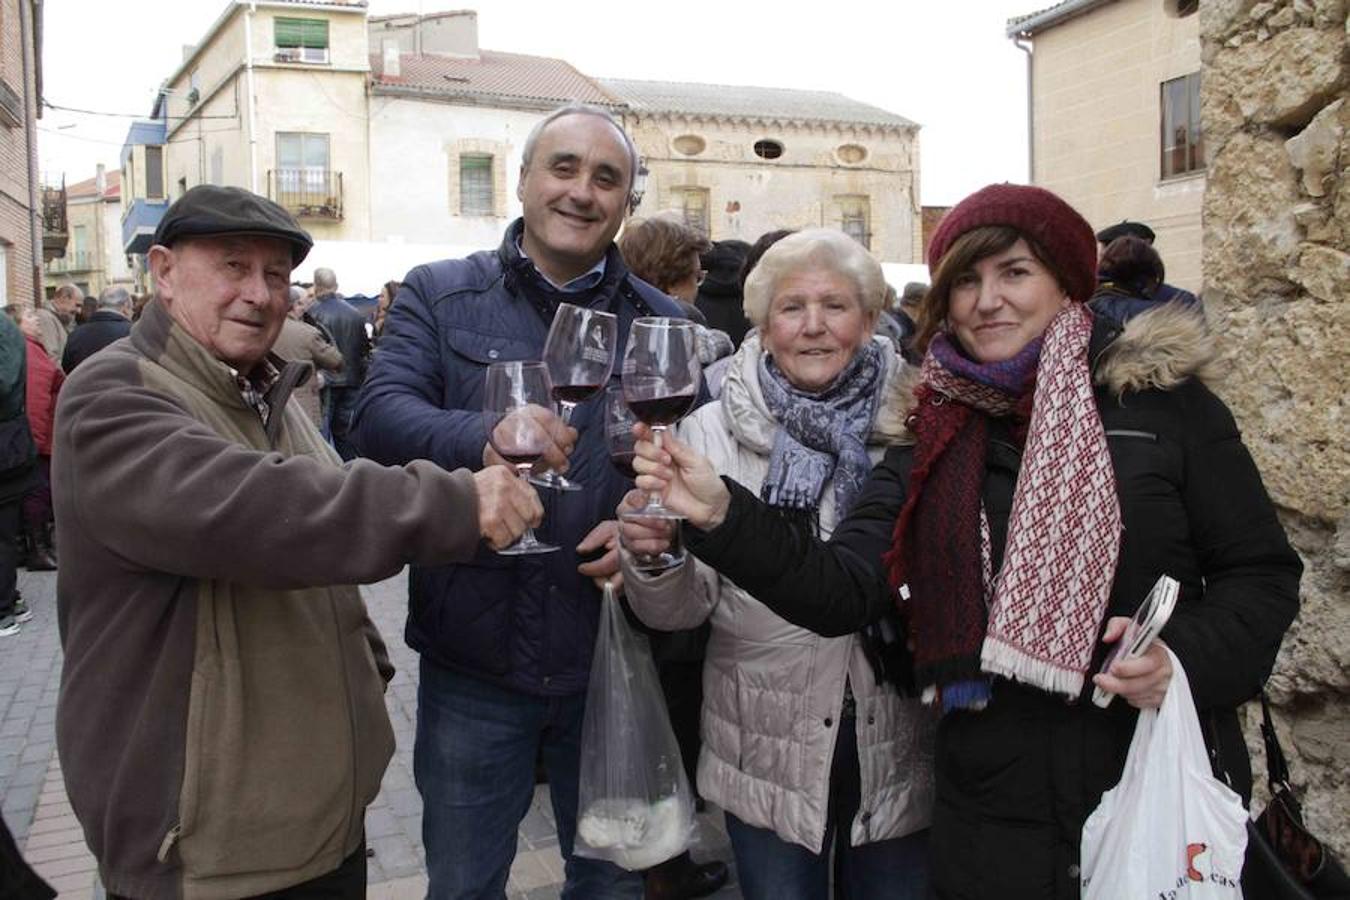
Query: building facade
[737,162]
[94,258]
[1115,108]
[402,130]
[21,221]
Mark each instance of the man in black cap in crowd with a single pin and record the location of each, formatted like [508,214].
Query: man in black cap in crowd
[1164,293]
[221,722]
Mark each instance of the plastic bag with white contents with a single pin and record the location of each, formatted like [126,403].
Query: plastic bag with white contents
[636,809]
[1169,830]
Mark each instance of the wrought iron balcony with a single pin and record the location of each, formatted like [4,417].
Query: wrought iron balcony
[54,228]
[307,193]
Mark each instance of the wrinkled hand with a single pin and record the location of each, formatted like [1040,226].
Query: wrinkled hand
[1141,682]
[506,506]
[606,568]
[644,536]
[687,482]
[561,439]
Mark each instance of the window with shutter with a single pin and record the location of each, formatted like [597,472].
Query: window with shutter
[475,185]
[301,40]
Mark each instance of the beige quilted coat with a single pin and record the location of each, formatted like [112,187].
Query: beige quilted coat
[772,691]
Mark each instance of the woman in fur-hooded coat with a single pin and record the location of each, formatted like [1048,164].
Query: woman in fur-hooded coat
[1056,465]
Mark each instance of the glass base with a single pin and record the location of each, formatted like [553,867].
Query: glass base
[520,548]
[663,538]
[554,481]
[656,563]
[654,511]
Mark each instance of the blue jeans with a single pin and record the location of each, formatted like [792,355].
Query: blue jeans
[339,404]
[770,868]
[474,765]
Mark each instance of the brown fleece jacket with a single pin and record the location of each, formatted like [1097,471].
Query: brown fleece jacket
[221,722]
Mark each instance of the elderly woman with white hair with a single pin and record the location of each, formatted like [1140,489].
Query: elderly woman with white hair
[805,745]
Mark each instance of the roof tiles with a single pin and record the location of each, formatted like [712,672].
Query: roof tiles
[502,76]
[750,103]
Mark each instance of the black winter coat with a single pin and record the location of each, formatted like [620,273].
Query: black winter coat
[103,327]
[1016,781]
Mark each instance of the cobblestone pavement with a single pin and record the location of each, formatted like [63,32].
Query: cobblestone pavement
[34,805]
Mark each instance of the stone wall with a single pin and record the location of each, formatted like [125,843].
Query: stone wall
[1277,290]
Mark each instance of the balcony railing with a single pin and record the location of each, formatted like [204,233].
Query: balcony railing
[308,193]
[74,261]
[54,228]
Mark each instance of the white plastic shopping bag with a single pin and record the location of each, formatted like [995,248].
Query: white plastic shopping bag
[1169,830]
[636,806]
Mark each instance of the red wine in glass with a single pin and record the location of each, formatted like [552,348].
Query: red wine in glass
[665,410]
[661,377]
[623,461]
[517,405]
[579,355]
[619,437]
[569,395]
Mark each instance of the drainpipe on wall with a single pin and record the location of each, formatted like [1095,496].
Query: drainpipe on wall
[30,101]
[248,99]
[1025,46]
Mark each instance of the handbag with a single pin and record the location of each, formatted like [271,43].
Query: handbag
[1285,861]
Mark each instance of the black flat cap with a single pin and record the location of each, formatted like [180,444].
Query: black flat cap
[1125,228]
[209,210]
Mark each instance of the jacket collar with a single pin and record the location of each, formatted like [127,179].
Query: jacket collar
[107,315]
[520,275]
[747,416]
[156,335]
[1157,349]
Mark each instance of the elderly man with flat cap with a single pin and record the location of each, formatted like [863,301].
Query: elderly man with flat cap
[221,722]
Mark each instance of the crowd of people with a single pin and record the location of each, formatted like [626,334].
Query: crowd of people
[916,521]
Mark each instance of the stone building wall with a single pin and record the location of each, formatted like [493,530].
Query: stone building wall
[1277,290]
[820,166]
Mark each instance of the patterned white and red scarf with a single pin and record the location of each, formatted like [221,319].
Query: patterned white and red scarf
[1038,619]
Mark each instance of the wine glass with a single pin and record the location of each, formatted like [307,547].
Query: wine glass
[619,437]
[661,373]
[579,354]
[517,402]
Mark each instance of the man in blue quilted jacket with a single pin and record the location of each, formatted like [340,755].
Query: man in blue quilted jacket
[506,641]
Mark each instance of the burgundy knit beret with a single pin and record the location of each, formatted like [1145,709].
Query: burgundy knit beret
[1064,235]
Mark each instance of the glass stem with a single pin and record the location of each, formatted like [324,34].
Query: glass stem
[527,539]
[654,499]
[567,408]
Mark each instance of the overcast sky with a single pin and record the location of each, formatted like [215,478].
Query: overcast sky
[943,63]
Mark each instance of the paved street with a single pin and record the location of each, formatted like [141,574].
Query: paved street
[34,804]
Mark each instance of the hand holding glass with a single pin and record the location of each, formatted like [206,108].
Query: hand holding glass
[517,409]
[661,374]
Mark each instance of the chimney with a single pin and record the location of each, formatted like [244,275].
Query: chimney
[391,58]
[100,181]
[453,34]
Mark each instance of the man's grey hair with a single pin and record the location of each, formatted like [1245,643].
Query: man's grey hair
[578,109]
[293,295]
[115,298]
[325,282]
